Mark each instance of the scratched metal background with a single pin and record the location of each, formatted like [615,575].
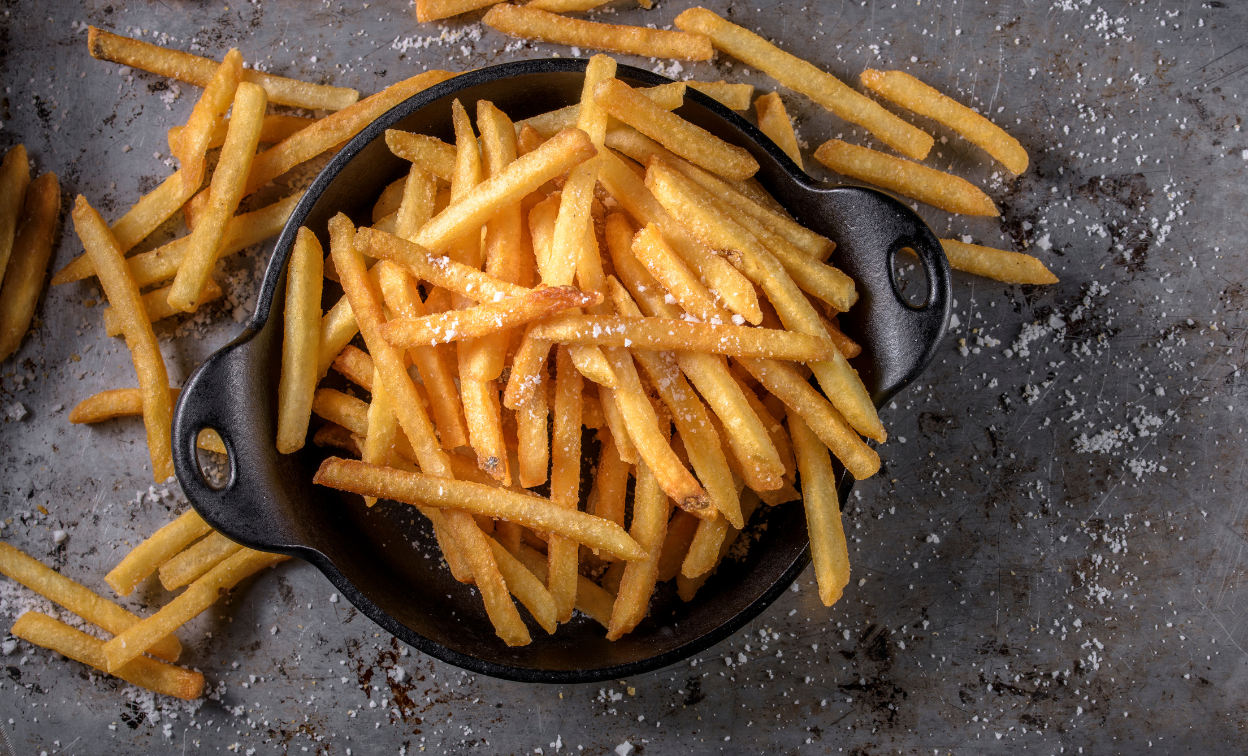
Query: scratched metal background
[1014,587]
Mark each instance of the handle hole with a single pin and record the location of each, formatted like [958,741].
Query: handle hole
[213,459]
[910,278]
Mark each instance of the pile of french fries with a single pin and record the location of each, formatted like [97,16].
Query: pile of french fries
[602,237]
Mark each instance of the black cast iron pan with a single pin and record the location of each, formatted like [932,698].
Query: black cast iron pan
[380,558]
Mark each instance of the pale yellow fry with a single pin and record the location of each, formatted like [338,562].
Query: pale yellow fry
[338,327]
[615,423]
[485,427]
[668,269]
[562,554]
[109,404]
[416,207]
[914,95]
[149,365]
[76,597]
[525,586]
[194,563]
[828,549]
[664,334]
[710,549]
[591,599]
[556,155]
[997,264]
[667,96]
[200,595]
[691,142]
[14,178]
[488,579]
[529,23]
[156,304]
[433,10]
[680,531]
[773,120]
[275,129]
[155,550]
[731,96]
[565,6]
[154,675]
[430,153]
[533,436]
[193,69]
[225,192]
[485,319]
[302,326]
[798,75]
[938,189]
[208,113]
[528,371]
[478,499]
[440,271]
[28,265]
[383,428]
[334,129]
[649,528]
[390,199]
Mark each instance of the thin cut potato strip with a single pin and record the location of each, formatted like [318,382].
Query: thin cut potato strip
[914,95]
[731,96]
[936,188]
[798,75]
[477,498]
[433,10]
[687,586]
[663,334]
[302,331]
[997,264]
[76,597]
[28,265]
[113,403]
[275,129]
[482,320]
[192,564]
[14,178]
[430,153]
[773,120]
[156,304]
[155,550]
[192,69]
[208,113]
[562,554]
[528,23]
[828,550]
[693,143]
[154,675]
[591,599]
[565,6]
[666,96]
[440,271]
[680,531]
[338,327]
[526,587]
[649,528]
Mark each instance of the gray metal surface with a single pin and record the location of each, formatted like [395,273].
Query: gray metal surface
[1051,559]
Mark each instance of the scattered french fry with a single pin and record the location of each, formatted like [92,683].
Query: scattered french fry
[526,22]
[208,113]
[773,120]
[28,265]
[155,550]
[156,304]
[686,585]
[997,264]
[194,563]
[666,96]
[433,10]
[14,178]
[275,129]
[936,188]
[731,96]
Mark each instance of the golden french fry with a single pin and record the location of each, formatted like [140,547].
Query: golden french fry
[528,23]
[76,597]
[389,201]
[355,364]
[664,334]
[433,10]
[225,192]
[383,429]
[846,345]
[997,264]
[668,269]
[482,320]
[798,75]
[302,326]
[773,120]
[680,531]
[28,265]
[775,430]
[914,95]
[430,153]
[667,96]
[275,129]
[417,204]
[195,561]
[336,437]
[936,188]
[155,550]
[107,405]
[828,549]
[591,598]
[14,178]
[693,143]
[649,528]
[122,291]
[478,498]
[156,304]
[525,586]
[565,481]
[565,6]
[731,96]
[193,69]
[611,483]
[687,584]
[203,593]
[208,113]
[442,272]
[334,129]
[49,633]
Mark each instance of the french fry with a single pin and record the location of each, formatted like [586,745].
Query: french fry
[483,320]
[611,482]
[828,549]
[477,498]
[441,271]
[203,593]
[416,207]
[844,344]
[800,76]
[615,423]
[668,269]
[339,408]
[338,327]
[565,480]
[731,96]
[225,192]
[14,178]
[334,129]
[156,304]
[28,265]
[194,563]
[532,434]
[208,113]
[565,6]
[528,23]
[155,550]
[302,325]
[914,95]
[649,528]
[693,143]
[49,633]
[122,291]
[667,96]
[775,430]
[430,153]
[936,188]
[433,10]
[664,334]
[356,366]
[680,531]
[389,201]
[383,428]
[526,587]
[687,586]
[773,120]
[591,598]
[275,129]
[193,69]
[76,597]
[997,264]
[113,403]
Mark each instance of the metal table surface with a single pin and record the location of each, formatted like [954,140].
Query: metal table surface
[1051,559]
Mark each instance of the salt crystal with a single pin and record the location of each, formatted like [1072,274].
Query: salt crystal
[15,411]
